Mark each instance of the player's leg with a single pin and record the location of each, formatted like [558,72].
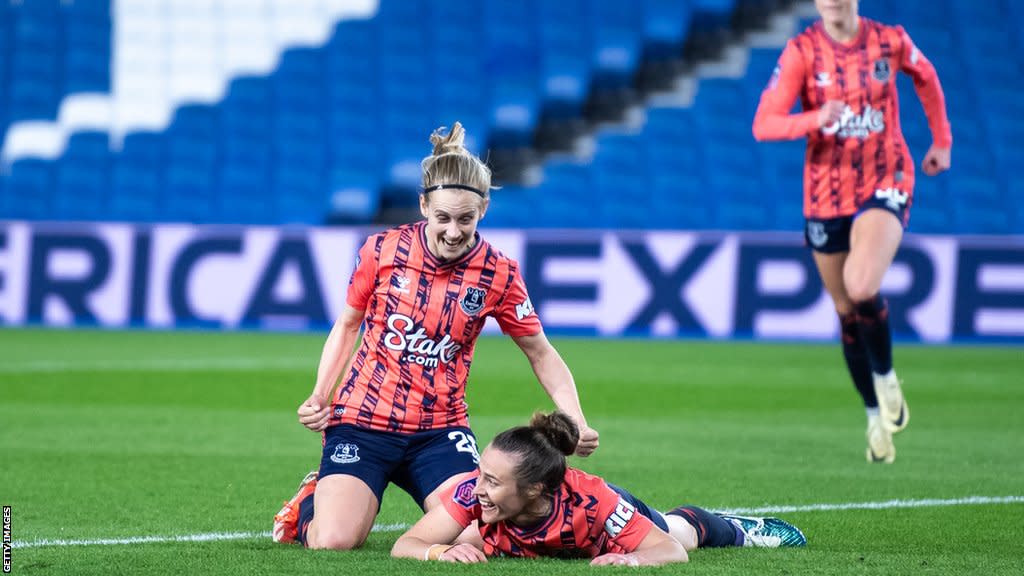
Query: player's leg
[830,245]
[874,240]
[684,532]
[695,527]
[831,252]
[342,513]
[830,268]
[336,510]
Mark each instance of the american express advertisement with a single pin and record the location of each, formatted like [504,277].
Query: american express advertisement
[600,283]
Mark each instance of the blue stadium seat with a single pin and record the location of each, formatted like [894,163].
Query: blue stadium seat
[83,178]
[190,193]
[28,192]
[300,193]
[666,25]
[354,196]
[565,58]
[617,28]
[712,14]
[244,195]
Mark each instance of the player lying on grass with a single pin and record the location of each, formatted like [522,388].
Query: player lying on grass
[528,503]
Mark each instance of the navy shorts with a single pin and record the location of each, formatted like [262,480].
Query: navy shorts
[832,235]
[417,463]
[642,508]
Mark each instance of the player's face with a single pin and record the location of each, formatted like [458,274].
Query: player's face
[497,490]
[836,10]
[452,216]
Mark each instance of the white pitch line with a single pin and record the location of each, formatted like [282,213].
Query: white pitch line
[218,536]
[886,505]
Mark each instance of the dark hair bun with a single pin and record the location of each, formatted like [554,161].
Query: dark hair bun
[558,429]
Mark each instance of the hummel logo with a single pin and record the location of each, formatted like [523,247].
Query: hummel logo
[822,79]
[401,283]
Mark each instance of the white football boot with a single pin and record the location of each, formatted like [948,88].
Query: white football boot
[891,404]
[880,446]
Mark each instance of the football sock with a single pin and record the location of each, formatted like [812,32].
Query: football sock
[857,361]
[305,517]
[873,324]
[713,531]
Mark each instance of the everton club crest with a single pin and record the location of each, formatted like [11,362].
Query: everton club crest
[882,71]
[473,300]
[345,453]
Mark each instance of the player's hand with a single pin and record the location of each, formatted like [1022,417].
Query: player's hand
[313,413]
[615,560]
[463,553]
[830,113]
[588,441]
[936,160]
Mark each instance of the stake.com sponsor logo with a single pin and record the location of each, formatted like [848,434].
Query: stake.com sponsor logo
[421,349]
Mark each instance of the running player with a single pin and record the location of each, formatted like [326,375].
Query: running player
[423,292]
[858,180]
[528,503]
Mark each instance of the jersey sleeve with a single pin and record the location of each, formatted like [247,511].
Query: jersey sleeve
[460,502]
[928,88]
[364,276]
[515,313]
[625,526]
[773,120]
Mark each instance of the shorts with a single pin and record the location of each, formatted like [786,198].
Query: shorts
[641,507]
[417,463]
[832,235]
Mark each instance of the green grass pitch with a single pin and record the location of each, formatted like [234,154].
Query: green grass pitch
[119,435]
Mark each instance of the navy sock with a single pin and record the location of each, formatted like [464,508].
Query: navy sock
[305,517]
[873,323]
[857,361]
[713,531]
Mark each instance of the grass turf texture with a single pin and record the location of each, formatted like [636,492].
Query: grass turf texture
[129,434]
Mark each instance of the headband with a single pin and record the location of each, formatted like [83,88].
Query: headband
[476,191]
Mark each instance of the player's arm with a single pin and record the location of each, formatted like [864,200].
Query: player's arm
[334,360]
[773,120]
[929,91]
[554,375]
[434,538]
[655,549]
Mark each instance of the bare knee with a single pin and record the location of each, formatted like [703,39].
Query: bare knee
[334,540]
[860,286]
[862,291]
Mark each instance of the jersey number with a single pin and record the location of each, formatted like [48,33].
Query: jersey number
[465,443]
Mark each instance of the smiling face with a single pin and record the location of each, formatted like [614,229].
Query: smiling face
[498,492]
[452,217]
